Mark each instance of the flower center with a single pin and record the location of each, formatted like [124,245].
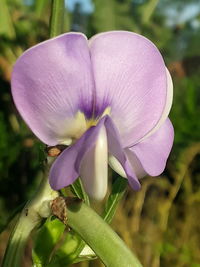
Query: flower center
[78,126]
[93,121]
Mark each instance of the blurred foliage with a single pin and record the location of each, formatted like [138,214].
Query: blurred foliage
[160,222]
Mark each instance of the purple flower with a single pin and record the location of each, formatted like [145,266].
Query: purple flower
[108,99]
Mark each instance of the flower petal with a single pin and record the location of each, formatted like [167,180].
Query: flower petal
[154,151]
[116,166]
[130,77]
[167,108]
[51,82]
[115,149]
[134,163]
[94,167]
[67,166]
[63,171]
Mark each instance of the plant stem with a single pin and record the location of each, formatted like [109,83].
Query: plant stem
[57,17]
[17,241]
[99,236]
[30,218]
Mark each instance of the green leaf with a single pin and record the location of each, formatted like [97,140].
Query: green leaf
[47,237]
[54,246]
[78,190]
[118,190]
[69,251]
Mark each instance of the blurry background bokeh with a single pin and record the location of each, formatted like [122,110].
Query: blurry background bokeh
[161,222]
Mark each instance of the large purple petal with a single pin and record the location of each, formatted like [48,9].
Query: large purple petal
[154,150]
[130,77]
[115,148]
[167,108]
[50,83]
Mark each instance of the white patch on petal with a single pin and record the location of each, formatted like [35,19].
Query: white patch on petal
[67,142]
[94,168]
[73,129]
[166,109]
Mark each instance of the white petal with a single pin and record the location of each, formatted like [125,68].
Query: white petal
[94,168]
[116,166]
[72,129]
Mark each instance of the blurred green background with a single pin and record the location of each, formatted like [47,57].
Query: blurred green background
[161,222]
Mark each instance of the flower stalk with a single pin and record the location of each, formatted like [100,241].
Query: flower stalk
[29,219]
[95,232]
[17,242]
[57,17]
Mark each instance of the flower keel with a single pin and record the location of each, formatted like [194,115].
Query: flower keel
[94,167]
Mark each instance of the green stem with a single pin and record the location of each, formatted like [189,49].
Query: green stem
[17,242]
[99,236]
[30,218]
[57,17]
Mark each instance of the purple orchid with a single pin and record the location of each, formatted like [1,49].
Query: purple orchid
[107,99]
